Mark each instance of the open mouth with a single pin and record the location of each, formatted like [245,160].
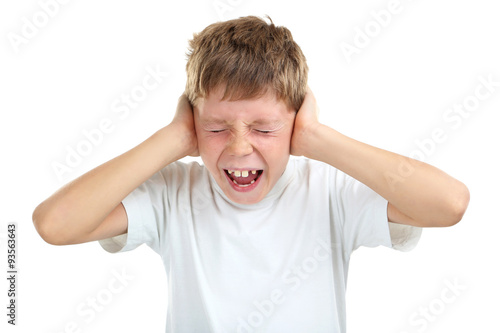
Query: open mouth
[243,178]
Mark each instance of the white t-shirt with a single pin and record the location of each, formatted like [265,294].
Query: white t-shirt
[279,265]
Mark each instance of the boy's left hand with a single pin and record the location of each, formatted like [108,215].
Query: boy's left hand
[418,194]
[306,123]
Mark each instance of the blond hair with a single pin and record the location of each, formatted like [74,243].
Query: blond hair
[247,57]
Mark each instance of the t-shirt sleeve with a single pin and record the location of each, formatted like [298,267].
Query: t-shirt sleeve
[362,215]
[146,214]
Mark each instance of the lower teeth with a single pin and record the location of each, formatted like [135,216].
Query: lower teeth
[244,185]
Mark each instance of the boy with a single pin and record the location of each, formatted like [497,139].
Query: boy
[252,241]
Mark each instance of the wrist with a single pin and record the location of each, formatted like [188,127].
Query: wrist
[316,144]
[173,142]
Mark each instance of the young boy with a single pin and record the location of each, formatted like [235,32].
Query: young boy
[252,240]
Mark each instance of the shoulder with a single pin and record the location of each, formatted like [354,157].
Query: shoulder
[183,168]
[319,175]
[306,167]
[183,173]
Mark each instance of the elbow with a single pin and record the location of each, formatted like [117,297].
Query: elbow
[46,226]
[458,206]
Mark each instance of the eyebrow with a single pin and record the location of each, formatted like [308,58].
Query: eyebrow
[213,121]
[262,121]
[266,122]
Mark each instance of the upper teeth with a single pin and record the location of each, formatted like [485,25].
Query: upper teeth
[239,173]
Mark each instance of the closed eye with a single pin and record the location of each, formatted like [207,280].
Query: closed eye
[263,131]
[216,131]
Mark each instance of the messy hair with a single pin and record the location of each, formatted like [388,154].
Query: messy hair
[248,58]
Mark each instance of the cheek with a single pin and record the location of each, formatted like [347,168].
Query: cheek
[279,149]
[210,146]
[282,141]
[276,152]
[273,145]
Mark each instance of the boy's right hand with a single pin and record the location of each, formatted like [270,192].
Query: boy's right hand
[184,122]
[89,208]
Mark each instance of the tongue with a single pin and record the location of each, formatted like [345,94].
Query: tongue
[245,180]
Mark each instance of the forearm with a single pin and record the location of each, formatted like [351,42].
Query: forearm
[425,194]
[79,207]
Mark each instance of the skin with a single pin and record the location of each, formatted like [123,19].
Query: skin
[244,135]
[89,208]
[424,196]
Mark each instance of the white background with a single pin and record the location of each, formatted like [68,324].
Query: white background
[395,91]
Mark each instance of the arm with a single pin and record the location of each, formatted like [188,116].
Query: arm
[89,208]
[418,193]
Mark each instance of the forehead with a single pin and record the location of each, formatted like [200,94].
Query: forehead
[262,109]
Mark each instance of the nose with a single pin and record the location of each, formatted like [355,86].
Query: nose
[240,146]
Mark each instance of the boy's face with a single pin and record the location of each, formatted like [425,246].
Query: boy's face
[244,144]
